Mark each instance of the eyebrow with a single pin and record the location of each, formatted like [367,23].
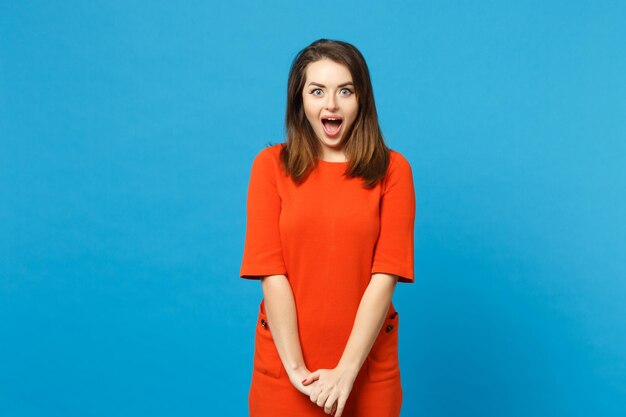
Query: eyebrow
[340,85]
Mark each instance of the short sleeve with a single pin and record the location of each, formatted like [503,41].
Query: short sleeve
[393,253]
[262,254]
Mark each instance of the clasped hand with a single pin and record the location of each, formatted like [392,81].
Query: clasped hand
[329,388]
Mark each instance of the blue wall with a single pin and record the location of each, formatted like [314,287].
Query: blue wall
[127,131]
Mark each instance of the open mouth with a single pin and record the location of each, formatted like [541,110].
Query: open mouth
[331,125]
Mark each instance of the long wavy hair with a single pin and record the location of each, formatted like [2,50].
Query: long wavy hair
[367,154]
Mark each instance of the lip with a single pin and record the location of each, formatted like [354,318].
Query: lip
[332,116]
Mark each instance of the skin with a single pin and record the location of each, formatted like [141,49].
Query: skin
[329,95]
[280,310]
[328,388]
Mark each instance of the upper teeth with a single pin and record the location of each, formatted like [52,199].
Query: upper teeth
[331,118]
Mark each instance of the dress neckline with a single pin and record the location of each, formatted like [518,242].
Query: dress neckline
[338,163]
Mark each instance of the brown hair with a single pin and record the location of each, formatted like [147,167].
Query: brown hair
[367,154]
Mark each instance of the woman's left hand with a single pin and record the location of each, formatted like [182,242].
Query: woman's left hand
[333,388]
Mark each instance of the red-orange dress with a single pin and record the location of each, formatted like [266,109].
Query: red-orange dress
[328,236]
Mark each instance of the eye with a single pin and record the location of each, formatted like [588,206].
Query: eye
[314,91]
[348,91]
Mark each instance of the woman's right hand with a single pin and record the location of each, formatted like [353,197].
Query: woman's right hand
[296,378]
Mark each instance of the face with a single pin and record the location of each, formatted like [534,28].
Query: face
[330,104]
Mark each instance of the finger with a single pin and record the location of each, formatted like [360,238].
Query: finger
[313,376]
[341,403]
[322,398]
[334,409]
[330,403]
[306,391]
[315,392]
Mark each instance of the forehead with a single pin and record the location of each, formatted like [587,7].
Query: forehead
[326,70]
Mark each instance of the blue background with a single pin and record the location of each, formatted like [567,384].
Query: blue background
[127,132]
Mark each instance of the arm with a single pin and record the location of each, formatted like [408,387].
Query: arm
[369,320]
[263,260]
[336,384]
[280,309]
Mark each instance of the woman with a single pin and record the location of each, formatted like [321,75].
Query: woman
[330,217]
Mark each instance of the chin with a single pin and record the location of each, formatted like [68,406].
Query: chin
[334,143]
[330,142]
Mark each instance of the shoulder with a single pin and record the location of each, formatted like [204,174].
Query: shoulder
[399,174]
[267,160]
[268,155]
[272,150]
[398,164]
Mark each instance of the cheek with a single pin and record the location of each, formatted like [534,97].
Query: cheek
[353,115]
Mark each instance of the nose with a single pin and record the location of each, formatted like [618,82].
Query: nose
[331,103]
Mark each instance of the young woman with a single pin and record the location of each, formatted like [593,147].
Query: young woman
[330,219]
